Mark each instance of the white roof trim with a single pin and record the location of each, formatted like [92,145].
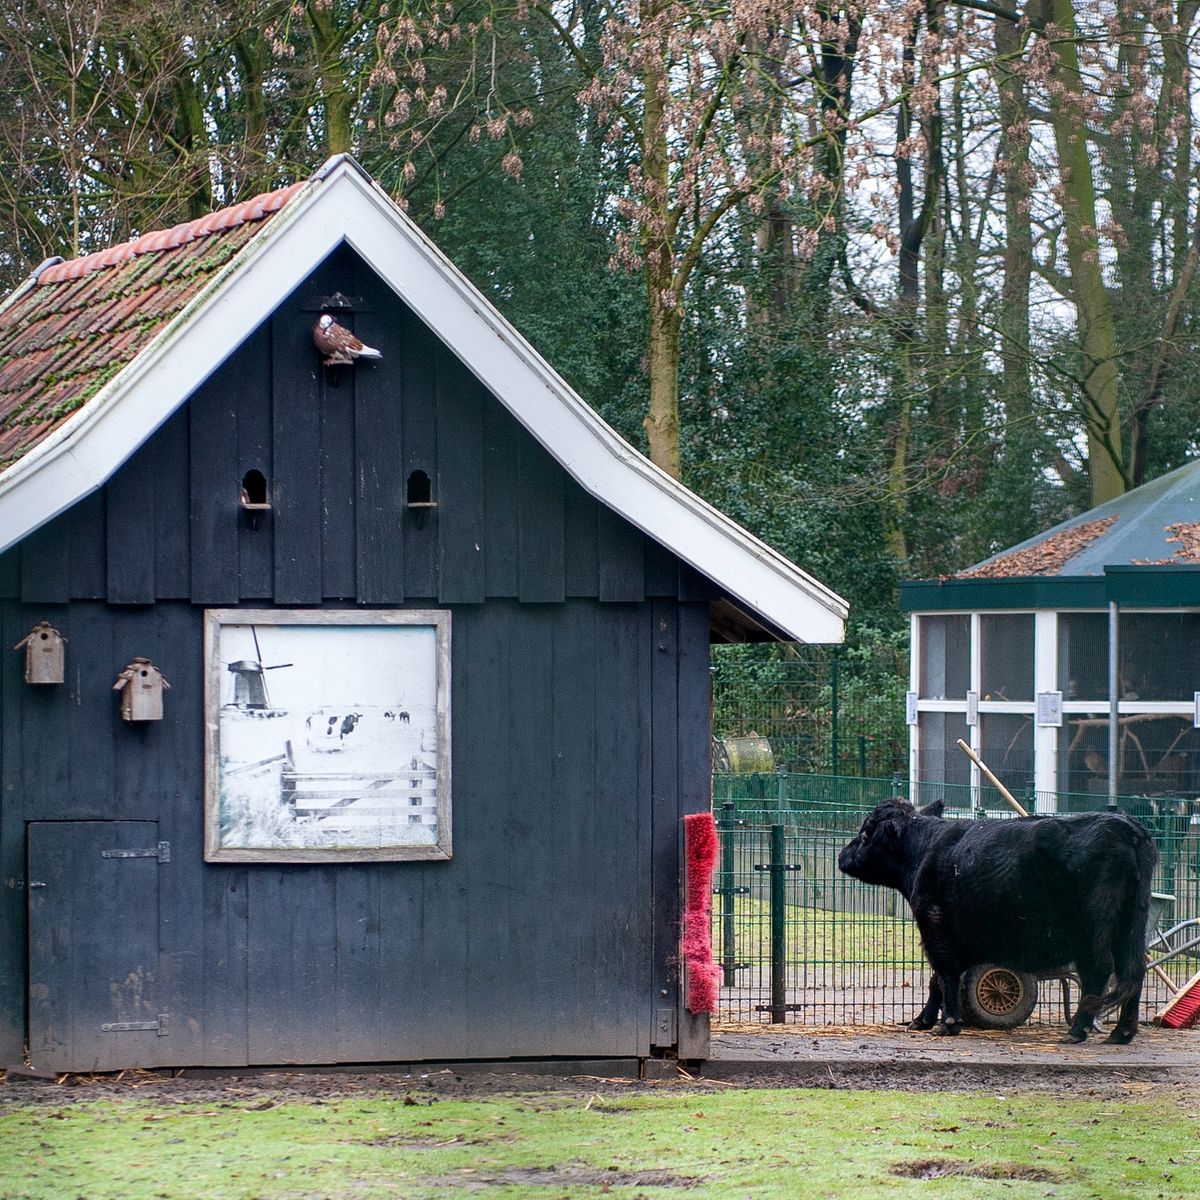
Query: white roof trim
[342,204]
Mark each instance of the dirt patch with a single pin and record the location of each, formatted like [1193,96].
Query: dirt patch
[939,1168]
[566,1176]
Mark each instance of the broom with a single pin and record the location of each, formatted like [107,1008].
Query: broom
[1183,1009]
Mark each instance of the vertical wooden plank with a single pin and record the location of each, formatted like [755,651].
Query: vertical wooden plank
[84,527]
[92,726]
[46,565]
[224,996]
[461,532]
[213,493]
[129,530]
[422,357]
[252,403]
[665,858]
[10,573]
[378,447]
[620,819]
[291,961]
[622,570]
[172,507]
[360,982]
[337,438]
[492,991]
[662,570]
[501,530]
[694,586]
[296,447]
[13,949]
[176,629]
[531,812]
[540,512]
[581,526]
[582,1006]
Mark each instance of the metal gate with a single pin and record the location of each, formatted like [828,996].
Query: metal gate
[93,944]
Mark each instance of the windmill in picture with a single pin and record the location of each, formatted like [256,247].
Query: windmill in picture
[250,681]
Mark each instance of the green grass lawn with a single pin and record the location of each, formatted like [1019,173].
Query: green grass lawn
[639,1144]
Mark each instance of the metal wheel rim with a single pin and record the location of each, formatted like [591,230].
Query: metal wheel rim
[998,991]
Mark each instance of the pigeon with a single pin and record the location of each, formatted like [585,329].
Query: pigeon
[338,344]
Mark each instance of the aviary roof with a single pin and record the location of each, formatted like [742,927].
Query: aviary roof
[76,324]
[1155,525]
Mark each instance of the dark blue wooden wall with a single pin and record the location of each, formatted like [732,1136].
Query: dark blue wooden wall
[580,704]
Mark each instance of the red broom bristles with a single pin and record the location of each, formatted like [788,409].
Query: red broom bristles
[1183,1008]
[700,848]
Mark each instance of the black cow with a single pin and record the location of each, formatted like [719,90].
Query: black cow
[1038,894]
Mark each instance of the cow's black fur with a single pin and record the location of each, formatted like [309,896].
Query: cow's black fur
[1036,894]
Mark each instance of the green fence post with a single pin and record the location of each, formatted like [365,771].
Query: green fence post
[833,687]
[778,928]
[728,874]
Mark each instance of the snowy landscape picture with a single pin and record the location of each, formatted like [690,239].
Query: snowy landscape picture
[328,735]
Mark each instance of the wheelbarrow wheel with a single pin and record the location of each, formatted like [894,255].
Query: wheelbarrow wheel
[997,997]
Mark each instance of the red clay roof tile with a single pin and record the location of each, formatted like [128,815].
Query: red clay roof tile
[85,320]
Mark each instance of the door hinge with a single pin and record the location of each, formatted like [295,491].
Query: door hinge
[159,1026]
[162,852]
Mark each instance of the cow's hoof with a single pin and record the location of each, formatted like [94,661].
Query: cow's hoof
[919,1025]
[948,1028]
[1071,1038]
[1121,1037]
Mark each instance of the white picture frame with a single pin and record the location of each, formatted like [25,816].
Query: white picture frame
[327,735]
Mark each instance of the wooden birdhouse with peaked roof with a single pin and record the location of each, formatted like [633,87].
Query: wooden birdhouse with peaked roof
[436,635]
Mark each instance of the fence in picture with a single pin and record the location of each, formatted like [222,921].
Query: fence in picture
[798,942]
[828,710]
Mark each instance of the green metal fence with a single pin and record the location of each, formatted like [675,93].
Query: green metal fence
[798,942]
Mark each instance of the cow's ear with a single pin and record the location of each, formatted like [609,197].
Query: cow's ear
[936,809]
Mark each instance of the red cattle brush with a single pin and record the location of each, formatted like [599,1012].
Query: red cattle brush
[703,975]
[1183,1008]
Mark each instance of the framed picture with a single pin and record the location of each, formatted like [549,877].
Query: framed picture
[327,735]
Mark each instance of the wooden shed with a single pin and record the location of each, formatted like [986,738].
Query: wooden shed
[384,684]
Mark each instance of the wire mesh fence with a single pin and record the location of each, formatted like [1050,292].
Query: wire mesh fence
[800,943]
[822,709]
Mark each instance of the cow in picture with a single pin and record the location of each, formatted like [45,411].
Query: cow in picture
[1037,894]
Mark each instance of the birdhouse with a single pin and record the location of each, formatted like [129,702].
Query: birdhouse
[43,654]
[141,685]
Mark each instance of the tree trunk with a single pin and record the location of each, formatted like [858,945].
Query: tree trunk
[335,96]
[1016,390]
[1093,308]
[663,307]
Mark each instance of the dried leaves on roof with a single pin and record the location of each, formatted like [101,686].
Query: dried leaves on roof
[1047,557]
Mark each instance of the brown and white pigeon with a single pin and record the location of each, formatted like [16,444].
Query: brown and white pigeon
[338,344]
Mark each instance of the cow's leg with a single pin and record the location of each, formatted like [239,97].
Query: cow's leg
[1091,986]
[927,1017]
[951,1023]
[1127,1022]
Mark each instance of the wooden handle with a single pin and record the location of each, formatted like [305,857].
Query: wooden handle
[991,778]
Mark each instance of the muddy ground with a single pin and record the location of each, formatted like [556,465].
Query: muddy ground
[878,1057]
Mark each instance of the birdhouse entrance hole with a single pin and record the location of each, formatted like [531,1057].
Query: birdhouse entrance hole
[254,490]
[420,491]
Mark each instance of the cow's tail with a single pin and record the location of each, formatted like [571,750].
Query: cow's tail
[1129,945]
